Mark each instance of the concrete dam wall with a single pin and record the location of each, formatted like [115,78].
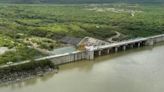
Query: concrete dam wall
[95,51]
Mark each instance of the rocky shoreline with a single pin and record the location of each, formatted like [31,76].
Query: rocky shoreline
[21,75]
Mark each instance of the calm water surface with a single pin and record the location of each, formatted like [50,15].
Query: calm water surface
[139,70]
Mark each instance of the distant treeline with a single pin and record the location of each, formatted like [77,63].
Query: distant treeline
[81,1]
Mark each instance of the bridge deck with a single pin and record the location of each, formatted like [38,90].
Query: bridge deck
[120,43]
[156,36]
[93,49]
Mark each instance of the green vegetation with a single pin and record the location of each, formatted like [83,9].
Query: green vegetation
[43,43]
[28,66]
[21,54]
[53,22]
[6,41]
[80,1]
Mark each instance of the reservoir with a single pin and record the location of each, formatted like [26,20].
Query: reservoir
[137,70]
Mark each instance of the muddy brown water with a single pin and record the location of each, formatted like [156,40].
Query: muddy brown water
[138,70]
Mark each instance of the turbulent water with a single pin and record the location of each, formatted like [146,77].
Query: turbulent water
[139,70]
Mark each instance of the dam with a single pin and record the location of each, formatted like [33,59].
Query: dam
[90,53]
[135,70]
[95,51]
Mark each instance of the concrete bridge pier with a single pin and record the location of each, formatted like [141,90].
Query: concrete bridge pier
[99,52]
[139,44]
[75,57]
[90,55]
[124,47]
[108,51]
[131,46]
[116,49]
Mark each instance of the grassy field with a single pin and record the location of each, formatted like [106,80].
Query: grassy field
[53,22]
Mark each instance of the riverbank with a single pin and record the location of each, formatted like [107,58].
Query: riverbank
[17,74]
[113,73]
[13,77]
[40,66]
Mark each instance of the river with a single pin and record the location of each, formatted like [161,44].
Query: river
[137,70]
